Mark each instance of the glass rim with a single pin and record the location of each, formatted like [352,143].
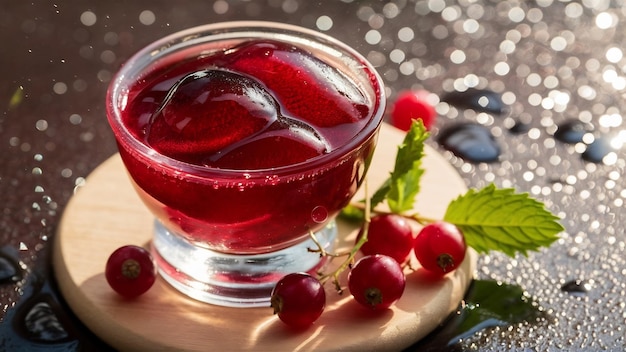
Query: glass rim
[140,60]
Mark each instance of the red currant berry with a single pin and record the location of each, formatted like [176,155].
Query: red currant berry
[298,299]
[412,105]
[440,247]
[130,271]
[389,234]
[376,281]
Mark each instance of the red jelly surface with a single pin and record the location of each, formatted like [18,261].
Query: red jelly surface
[249,111]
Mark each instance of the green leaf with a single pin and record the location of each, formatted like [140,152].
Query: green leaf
[352,213]
[500,219]
[486,304]
[403,184]
[381,193]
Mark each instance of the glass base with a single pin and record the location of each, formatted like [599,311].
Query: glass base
[233,280]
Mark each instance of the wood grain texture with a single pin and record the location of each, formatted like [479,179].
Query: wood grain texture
[106,213]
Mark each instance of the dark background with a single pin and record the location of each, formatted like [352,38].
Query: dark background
[551,61]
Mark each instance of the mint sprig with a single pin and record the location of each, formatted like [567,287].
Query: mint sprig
[500,219]
[403,184]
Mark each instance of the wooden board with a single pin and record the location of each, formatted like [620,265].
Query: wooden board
[106,213]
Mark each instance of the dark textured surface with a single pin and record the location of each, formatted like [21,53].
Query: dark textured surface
[550,61]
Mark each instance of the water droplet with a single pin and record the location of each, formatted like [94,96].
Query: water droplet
[519,127]
[598,150]
[319,214]
[577,288]
[9,272]
[481,100]
[572,131]
[43,325]
[472,142]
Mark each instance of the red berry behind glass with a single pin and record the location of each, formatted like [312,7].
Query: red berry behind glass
[376,281]
[298,299]
[389,234]
[412,105]
[130,271]
[440,247]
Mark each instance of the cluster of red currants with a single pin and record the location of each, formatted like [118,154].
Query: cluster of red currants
[377,280]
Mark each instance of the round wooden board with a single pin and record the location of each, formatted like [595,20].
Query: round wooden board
[106,213]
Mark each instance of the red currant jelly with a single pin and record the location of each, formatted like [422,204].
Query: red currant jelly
[264,126]
[243,141]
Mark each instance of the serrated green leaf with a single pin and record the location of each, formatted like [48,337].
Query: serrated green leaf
[403,184]
[403,191]
[500,219]
[412,148]
[381,193]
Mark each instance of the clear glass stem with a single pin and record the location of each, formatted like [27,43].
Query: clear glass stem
[233,280]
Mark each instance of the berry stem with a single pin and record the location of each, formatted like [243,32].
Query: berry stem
[320,249]
[422,220]
[131,269]
[350,254]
